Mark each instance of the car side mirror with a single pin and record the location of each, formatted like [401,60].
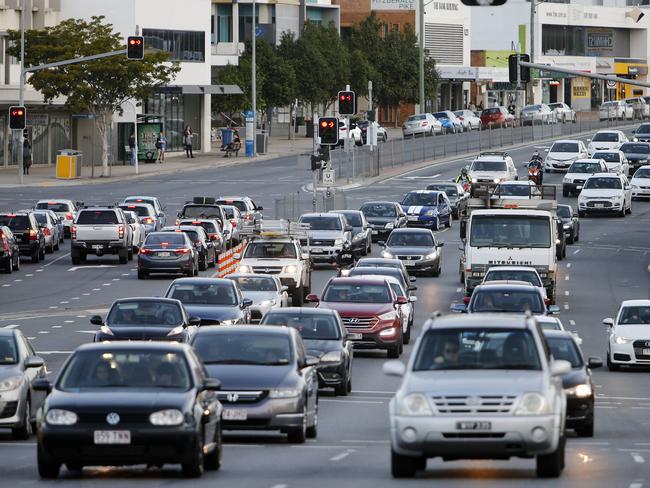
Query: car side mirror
[213,237]
[305,255]
[440,244]
[259,209]
[412,279]
[401,300]
[463,229]
[246,302]
[588,141]
[211,384]
[284,288]
[194,321]
[311,361]
[560,367]
[348,228]
[553,309]
[161,215]
[595,362]
[382,243]
[34,362]
[96,320]
[312,298]
[633,131]
[412,288]
[459,308]
[42,384]
[609,322]
[394,368]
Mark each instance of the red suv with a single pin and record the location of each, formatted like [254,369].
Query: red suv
[368,308]
[497,117]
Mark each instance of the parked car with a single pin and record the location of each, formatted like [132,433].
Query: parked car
[497,117]
[615,109]
[382,133]
[421,124]
[9,250]
[639,106]
[469,119]
[563,113]
[449,121]
[537,114]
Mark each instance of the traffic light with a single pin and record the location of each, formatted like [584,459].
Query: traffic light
[347,103]
[135,47]
[328,130]
[17,118]
[524,71]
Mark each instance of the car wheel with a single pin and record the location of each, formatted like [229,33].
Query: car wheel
[47,468]
[213,262]
[449,221]
[403,466]
[9,265]
[406,338]
[17,264]
[203,264]
[212,460]
[565,193]
[130,254]
[629,209]
[611,366]
[622,212]
[393,351]
[341,389]
[36,256]
[570,239]
[581,214]
[123,255]
[56,246]
[551,465]
[24,431]
[437,223]
[298,435]
[586,429]
[49,249]
[42,253]
[312,431]
[436,272]
[142,275]
[75,254]
[194,469]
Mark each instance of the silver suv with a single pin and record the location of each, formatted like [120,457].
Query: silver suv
[480,386]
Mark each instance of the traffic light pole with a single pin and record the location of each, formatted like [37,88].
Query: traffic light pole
[315,152]
[18,136]
[583,74]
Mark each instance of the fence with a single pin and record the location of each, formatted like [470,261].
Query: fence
[293,205]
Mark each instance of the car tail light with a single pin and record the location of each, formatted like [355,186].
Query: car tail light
[46,231]
[183,250]
[425,123]
[5,244]
[214,236]
[120,231]
[33,234]
[233,222]
[73,232]
[547,301]
[147,220]
[69,216]
[248,217]
[145,251]
[466,300]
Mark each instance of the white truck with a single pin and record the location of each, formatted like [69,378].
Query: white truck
[274,247]
[506,232]
[100,231]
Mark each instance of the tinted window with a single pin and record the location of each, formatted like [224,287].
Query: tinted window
[229,211]
[509,231]
[643,128]
[507,301]
[635,315]
[417,199]
[564,211]
[56,207]
[610,157]
[255,283]
[15,222]
[138,209]
[353,218]
[356,293]
[642,173]
[549,324]
[450,190]
[8,352]
[579,167]
[145,313]
[241,205]
[379,210]
[419,239]
[278,250]
[164,239]
[477,349]
[564,348]
[201,212]
[482,165]
[605,137]
[514,275]
[370,263]
[97,217]
[602,183]
[192,234]
[125,369]
[635,148]
[564,147]
[413,118]
[441,115]
[204,293]
[315,327]
[322,222]
[233,348]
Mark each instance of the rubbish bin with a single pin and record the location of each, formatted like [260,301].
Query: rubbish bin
[226,136]
[68,164]
[261,142]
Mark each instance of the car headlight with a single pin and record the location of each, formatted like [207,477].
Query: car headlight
[496,180]
[331,357]
[268,303]
[431,255]
[415,405]
[105,329]
[345,272]
[387,254]
[284,393]
[176,330]
[635,186]
[622,340]
[430,213]
[228,322]
[390,225]
[567,180]
[12,383]
[338,242]
[567,226]
[290,269]
[388,315]
[389,332]
[579,391]
[57,416]
[170,416]
[244,269]
[532,403]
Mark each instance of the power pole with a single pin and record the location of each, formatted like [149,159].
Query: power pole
[254,80]
[531,83]
[422,102]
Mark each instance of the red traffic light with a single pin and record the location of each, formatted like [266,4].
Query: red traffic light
[135,47]
[17,118]
[347,102]
[17,112]
[135,41]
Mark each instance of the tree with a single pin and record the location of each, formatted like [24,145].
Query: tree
[97,87]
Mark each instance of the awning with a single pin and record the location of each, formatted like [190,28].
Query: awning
[211,89]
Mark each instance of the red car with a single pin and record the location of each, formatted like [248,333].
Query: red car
[497,117]
[368,308]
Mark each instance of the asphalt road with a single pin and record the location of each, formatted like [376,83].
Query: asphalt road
[52,301]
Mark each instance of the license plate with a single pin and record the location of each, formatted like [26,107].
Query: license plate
[112,437]
[164,254]
[409,263]
[579,187]
[645,352]
[413,217]
[316,250]
[472,425]
[97,246]
[234,414]
[598,205]
[375,232]
[355,337]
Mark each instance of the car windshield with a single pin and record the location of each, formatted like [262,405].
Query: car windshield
[410,239]
[579,167]
[441,115]
[8,353]
[605,137]
[555,105]
[507,300]
[97,217]
[643,129]
[320,326]
[487,165]
[357,293]
[141,210]
[610,157]
[476,348]
[514,190]
[353,218]
[635,148]
[165,239]
[204,293]
[271,250]
[565,348]
[642,173]
[549,324]
[145,313]
[602,183]
[255,283]
[635,315]
[420,199]
[133,368]
[15,222]
[243,348]
[379,210]
[414,118]
[609,104]
[41,218]
[240,204]
[570,147]
[321,222]
[564,211]
[518,231]
[56,207]
[201,212]
[514,275]
[450,190]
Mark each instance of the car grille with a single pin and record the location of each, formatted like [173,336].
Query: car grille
[579,182]
[210,322]
[410,258]
[353,323]
[267,269]
[256,315]
[321,242]
[604,203]
[639,346]
[9,410]
[125,417]
[241,396]
[485,180]
[474,404]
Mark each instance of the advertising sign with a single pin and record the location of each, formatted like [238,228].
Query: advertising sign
[393,5]
[147,135]
[581,88]
[600,40]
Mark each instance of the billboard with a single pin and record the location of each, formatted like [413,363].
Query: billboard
[393,5]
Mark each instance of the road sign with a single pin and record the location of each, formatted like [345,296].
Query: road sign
[328,177]
[611,84]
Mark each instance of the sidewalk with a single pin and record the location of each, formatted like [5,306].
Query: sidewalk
[45,176]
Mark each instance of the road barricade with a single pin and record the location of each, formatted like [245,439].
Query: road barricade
[227,262]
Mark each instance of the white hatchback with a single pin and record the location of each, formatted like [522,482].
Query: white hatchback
[563,153]
[615,160]
[605,140]
[629,335]
[605,193]
[640,182]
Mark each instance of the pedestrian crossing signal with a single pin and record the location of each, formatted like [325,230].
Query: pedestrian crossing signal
[347,103]
[135,47]
[17,118]
[328,130]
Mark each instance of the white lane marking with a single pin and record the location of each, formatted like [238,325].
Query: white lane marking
[68,321]
[622,398]
[566,278]
[343,455]
[29,274]
[106,284]
[31,338]
[638,458]
[275,486]
[577,251]
[43,331]
[53,306]
[6,286]
[97,289]
[458,290]
[75,298]
[572,322]
[125,274]
[39,270]
[57,326]
[86,294]
[90,266]
[55,260]
[633,485]
[566,306]
[82,316]
[568,265]
[116,279]
[379,392]
[18,281]
[11,326]
[567,293]
[367,442]
[63,302]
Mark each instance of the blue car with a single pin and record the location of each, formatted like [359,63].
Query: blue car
[427,208]
[449,121]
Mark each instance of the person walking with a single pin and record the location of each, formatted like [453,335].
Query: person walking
[161,145]
[132,149]
[27,156]
[187,136]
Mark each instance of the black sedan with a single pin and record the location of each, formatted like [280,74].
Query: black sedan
[578,384]
[570,223]
[9,251]
[268,382]
[637,154]
[457,196]
[383,217]
[167,252]
[325,337]
[130,403]
[161,319]
[215,301]
[205,248]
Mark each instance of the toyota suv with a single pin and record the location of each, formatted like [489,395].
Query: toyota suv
[99,231]
[493,167]
[481,386]
[28,234]
[328,233]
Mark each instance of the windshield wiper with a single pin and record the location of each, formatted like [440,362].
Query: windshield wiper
[518,366]
[234,361]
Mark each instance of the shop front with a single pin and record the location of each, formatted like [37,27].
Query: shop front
[633,69]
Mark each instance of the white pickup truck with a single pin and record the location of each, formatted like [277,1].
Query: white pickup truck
[99,231]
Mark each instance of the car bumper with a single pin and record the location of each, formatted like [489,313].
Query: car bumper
[625,354]
[614,207]
[98,247]
[439,437]
[331,374]
[162,265]
[29,248]
[421,264]
[267,414]
[558,165]
[12,413]
[371,338]
[380,233]
[427,222]
[641,192]
[579,411]
[323,254]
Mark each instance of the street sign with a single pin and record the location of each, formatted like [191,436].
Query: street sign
[611,84]
[328,178]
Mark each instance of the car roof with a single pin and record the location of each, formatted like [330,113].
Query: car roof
[375,202]
[379,260]
[482,320]
[233,198]
[559,334]
[135,204]
[146,299]
[6,332]
[130,345]
[358,280]
[512,268]
[351,211]
[304,310]
[632,303]
[588,160]
[169,228]
[506,284]
[611,131]
[245,329]
[410,230]
[55,200]
[140,196]
[426,192]
[319,214]
[203,281]
[566,140]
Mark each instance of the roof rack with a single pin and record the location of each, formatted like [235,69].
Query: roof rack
[204,200]
[493,153]
[493,190]
[268,229]
[98,205]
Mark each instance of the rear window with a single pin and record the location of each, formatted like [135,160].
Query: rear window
[56,207]
[241,206]
[92,217]
[138,209]
[201,212]
[413,118]
[491,111]
[171,238]
[565,147]
[15,222]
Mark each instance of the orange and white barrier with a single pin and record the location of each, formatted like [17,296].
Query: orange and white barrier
[227,262]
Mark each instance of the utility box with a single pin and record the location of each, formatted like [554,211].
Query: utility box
[68,164]
[261,142]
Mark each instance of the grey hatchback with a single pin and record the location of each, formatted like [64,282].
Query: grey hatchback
[417,248]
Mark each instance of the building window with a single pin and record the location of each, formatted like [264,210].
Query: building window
[315,15]
[224,22]
[186,46]
[384,30]
[246,20]
[395,28]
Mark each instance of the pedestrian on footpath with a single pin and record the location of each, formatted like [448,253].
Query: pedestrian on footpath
[132,149]
[187,136]
[27,156]
[161,145]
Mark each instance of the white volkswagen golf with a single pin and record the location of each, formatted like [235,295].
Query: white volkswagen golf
[629,335]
